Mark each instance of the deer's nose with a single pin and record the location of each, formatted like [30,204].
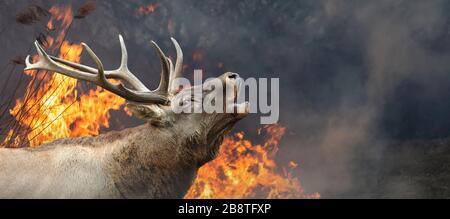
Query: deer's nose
[233,76]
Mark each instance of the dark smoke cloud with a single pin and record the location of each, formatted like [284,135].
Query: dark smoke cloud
[354,75]
[392,40]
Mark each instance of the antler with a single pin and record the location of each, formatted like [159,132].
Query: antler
[138,93]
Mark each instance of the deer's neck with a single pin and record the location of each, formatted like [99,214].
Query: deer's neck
[153,163]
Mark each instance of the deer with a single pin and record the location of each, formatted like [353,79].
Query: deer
[158,159]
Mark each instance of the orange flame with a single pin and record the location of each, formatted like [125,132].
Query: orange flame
[55,109]
[247,170]
[61,14]
[148,9]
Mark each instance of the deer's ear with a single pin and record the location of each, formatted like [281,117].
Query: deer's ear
[152,113]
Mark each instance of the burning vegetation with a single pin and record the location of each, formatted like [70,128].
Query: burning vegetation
[247,170]
[53,107]
[148,9]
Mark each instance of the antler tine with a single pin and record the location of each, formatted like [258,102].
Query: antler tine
[124,57]
[123,72]
[120,89]
[75,65]
[177,71]
[101,79]
[171,67]
[165,70]
[46,63]
[179,62]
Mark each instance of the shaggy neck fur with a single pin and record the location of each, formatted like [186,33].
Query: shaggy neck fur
[167,159]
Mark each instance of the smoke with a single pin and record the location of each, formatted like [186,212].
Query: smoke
[354,75]
[392,38]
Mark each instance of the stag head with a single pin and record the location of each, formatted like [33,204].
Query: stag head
[157,106]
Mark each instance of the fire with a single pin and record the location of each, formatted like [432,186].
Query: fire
[62,14]
[247,170]
[54,109]
[148,9]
